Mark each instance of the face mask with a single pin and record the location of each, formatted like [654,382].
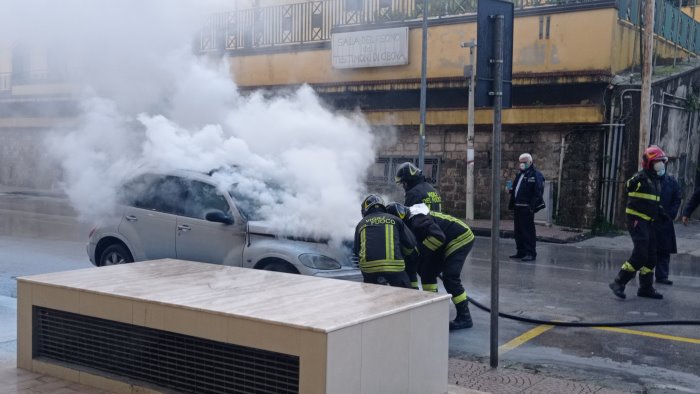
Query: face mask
[660,168]
[523,166]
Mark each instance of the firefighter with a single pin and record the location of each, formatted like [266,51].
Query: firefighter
[444,243]
[381,242]
[418,190]
[643,209]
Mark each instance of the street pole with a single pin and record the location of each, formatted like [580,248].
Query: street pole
[423,86]
[470,134]
[497,62]
[645,100]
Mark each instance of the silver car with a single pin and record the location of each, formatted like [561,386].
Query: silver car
[184,215]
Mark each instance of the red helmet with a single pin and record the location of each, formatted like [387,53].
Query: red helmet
[651,154]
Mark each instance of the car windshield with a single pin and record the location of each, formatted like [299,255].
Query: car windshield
[246,204]
[251,202]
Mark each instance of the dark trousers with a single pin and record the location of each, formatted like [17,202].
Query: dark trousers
[524,228]
[662,265]
[450,268]
[396,279]
[643,258]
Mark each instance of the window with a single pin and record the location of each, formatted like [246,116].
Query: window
[384,169]
[203,198]
[161,194]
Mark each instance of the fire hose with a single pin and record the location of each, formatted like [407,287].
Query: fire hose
[583,324]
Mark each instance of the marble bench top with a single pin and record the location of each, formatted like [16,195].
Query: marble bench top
[318,304]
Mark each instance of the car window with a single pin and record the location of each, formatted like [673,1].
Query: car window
[203,198]
[155,193]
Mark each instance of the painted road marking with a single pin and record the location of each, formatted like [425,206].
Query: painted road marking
[539,330]
[515,342]
[650,334]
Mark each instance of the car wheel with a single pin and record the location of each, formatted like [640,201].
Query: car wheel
[280,266]
[115,254]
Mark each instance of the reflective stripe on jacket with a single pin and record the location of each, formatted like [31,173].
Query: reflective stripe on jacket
[643,196]
[425,193]
[381,242]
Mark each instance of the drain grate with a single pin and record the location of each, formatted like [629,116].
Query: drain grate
[180,362]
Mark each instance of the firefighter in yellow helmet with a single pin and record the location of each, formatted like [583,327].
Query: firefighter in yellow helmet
[643,210]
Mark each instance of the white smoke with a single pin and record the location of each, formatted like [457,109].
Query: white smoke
[148,102]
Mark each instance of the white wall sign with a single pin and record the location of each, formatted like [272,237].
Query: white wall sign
[370,48]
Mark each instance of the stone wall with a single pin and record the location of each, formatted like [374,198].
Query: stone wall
[580,171]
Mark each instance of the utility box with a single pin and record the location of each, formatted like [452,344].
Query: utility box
[171,325]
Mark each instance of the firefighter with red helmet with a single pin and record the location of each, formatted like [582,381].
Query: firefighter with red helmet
[382,241]
[643,210]
[417,189]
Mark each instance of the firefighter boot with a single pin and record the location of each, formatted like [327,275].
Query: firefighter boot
[645,287]
[618,285]
[463,319]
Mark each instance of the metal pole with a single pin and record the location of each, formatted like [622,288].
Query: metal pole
[470,135]
[496,179]
[645,100]
[423,86]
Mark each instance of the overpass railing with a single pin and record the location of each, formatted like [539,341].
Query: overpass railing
[669,22]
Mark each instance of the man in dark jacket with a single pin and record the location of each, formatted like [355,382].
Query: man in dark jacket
[381,242]
[691,205]
[525,200]
[665,233]
[444,242]
[418,190]
[643,211]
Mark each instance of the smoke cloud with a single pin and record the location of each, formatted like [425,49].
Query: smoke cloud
[146,101]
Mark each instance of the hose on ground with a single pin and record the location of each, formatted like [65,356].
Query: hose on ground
[583,324]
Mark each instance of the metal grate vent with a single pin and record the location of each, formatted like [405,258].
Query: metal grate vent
[175,361]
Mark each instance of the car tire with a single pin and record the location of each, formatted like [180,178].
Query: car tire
[280,266]
[115,254]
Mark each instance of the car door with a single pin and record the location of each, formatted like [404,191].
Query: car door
[201,240]
[150,218]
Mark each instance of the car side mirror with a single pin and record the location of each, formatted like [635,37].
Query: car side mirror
[218,217]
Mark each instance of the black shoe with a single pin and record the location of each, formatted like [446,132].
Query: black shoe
[649,292]
[664,281]
[463,319]
[618,289]
[517,256]
[528,257]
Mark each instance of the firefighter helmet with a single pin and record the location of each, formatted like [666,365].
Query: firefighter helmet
[370,201]
[397,209]
[652,154]
[407,172]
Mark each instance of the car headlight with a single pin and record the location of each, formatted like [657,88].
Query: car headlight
[319,261]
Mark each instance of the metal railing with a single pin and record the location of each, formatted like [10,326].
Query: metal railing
[669,22]
[313,21]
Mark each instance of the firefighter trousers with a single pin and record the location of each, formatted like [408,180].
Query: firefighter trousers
[450,269]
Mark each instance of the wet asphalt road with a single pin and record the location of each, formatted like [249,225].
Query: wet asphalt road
[39,233]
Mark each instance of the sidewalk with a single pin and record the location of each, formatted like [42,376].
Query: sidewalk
[545,233]
[464,377]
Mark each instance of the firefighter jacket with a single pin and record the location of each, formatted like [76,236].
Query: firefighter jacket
[439,234]
[643,196]
[382,241]
[527,192]
[424,192]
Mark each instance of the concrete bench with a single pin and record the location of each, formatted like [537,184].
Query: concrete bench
[172,325]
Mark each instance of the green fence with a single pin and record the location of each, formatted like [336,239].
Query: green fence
[669,22]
